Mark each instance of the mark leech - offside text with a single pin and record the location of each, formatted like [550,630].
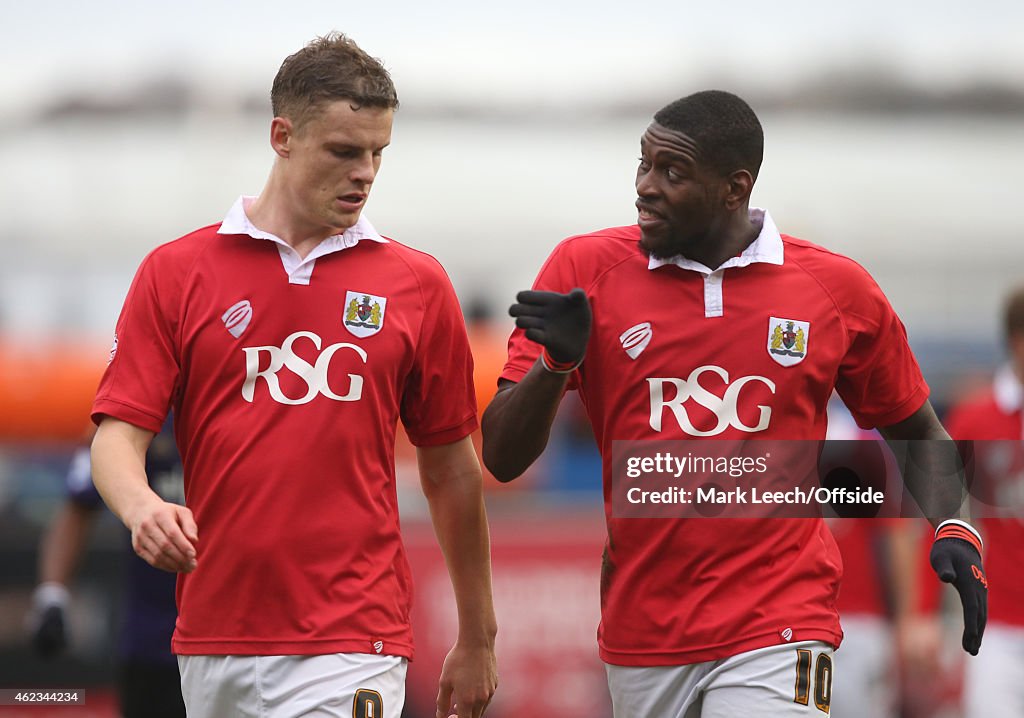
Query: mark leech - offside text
[715,495]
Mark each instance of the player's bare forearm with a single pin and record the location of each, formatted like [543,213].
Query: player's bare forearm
[931,467]
[451,479]
[119,466]
[517,423]
[163,533]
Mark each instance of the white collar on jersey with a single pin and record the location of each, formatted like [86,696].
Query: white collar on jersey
[1008,390]
[766,248]
[299,269]
[237,222]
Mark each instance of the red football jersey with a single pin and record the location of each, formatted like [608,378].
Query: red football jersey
[751,350]
[287,378]
[996,415]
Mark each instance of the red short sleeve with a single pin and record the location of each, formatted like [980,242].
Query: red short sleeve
[879,378]
[439,400]
[142,376]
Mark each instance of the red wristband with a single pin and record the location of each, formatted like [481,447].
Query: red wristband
[954,528]
[557,367]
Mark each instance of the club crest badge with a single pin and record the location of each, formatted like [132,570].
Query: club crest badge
[787,340]
[364,313]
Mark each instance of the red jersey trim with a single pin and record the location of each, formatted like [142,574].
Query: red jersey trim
[682,658]
[306,647]
[116,409]
[444,436]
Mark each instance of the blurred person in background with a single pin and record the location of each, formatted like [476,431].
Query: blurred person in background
[884,633]
[289,339]
[704,298]
[994,420]
[865,678]
[147,671]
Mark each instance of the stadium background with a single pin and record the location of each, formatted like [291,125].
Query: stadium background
[892,136]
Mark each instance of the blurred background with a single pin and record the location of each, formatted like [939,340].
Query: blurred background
[894,132]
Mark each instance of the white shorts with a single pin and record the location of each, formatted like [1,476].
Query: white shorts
[994,679]
[792,680]
[338,685]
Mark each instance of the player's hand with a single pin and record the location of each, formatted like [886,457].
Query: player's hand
[469,678]
[47,622]
[558,322]
[164,534]
[958,561]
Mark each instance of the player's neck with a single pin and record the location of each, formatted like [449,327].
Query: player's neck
[273,213]
[721,245]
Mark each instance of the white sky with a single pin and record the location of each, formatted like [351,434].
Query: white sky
[532,50]
[61,176]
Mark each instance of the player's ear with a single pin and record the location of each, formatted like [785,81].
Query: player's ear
[281,133]
[737,189]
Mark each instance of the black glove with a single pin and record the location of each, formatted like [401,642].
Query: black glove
[956,558]
[558,322]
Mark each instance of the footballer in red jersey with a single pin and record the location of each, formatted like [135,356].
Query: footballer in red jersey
[290,339]
[994,418]
[704,322]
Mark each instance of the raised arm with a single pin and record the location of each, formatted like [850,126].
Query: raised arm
[163,533]
[450,475]
[517,423]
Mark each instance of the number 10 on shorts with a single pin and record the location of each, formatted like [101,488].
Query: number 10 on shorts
[822,680]
[367,704]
